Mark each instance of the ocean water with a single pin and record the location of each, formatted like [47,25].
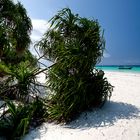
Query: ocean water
[135,69]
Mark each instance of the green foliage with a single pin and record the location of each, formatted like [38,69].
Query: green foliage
[39,112]
[25,108]
[15,122]
[74,94]
[18,83]
[12,58]
[4,70]
[18,119]
[75,45]
[18,70]
[15,29]
[24,77]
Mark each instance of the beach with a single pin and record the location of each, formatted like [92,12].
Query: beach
[118,119]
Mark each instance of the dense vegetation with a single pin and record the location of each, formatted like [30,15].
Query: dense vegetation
[74,44]
[20,106]
[15,29]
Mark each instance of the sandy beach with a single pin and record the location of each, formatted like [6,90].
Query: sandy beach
[119,119]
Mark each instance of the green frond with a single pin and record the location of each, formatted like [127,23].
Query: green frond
[75,45]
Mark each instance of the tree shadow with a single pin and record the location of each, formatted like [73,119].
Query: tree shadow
[110,113]
[36,133]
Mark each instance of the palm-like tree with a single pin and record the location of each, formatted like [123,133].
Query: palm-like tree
[15,27]
[59,34]
[67,29]
[75,45]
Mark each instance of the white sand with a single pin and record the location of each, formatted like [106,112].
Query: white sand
[119,119]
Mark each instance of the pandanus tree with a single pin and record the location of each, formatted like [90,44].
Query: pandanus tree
[15,28]
[21,107]
[75,45]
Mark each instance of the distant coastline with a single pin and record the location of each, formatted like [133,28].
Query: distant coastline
[117,65]
[135,68]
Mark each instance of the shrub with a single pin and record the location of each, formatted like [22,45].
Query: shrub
[18,70]
[18,81]
[15,28]
[18,119]
[14,122]
[75,46]
[25,108]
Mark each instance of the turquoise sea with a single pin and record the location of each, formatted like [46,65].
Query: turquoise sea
[135,69]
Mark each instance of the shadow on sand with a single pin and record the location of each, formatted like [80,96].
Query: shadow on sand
[110,113]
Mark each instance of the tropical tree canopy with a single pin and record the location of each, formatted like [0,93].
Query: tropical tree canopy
[71,32]
[75,45]
[15,27]
[20,106]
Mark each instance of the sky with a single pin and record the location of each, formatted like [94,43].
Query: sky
[120,19]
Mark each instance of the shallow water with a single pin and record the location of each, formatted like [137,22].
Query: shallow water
[135,69]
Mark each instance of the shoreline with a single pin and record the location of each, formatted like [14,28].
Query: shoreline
[122,72]
[108,68]
[118,119]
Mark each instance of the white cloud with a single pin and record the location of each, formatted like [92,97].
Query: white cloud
[15,1]
[40,26]
[106,55]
